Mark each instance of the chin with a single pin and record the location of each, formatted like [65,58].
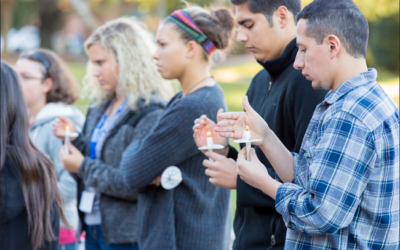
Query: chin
[166,76]
[318,85]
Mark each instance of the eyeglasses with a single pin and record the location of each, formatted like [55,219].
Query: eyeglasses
[29,78]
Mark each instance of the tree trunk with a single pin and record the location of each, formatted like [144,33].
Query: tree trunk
[7,14]
[50,18]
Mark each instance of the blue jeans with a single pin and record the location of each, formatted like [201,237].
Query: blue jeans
[72,246]
[94,241]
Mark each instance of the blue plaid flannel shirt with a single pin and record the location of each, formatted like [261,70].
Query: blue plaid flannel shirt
[345,194]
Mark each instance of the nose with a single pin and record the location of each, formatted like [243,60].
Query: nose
[95,70]
[241,37]
[299,61]
[156,55]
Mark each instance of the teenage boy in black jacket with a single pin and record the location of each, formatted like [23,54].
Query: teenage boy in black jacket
[286,101]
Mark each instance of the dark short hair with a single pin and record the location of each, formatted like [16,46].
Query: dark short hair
[341,18]
[268,7]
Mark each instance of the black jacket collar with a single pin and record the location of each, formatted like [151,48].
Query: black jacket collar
[276,66]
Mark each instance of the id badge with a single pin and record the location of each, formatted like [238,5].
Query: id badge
[86,204]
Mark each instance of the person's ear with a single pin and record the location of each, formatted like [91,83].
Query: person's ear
[282,15]
[192,48]
[334,45]
[47,85]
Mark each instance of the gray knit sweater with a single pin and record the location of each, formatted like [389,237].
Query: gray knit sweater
[194,215]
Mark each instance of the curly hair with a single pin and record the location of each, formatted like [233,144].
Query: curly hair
[132,47]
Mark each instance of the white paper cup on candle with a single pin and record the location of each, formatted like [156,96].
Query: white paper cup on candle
[210,145]
[247,139]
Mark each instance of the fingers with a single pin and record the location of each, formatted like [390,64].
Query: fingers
[72,148]
[209,164]
[201,122]
[220,111]
[242,155]
[253,155]
[247,106]
[213,155]
[226,122]
[228,135]
[229,115]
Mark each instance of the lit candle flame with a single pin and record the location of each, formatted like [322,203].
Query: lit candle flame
[67,127]
[208,134]
[247,128]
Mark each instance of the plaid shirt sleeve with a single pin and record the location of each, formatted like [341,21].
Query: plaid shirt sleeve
[332,170]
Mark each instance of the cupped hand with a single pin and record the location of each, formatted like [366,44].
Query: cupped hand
[71,160]
[203,125]
[233,124]
[59,126]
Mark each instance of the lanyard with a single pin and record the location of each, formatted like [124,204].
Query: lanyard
[98,130]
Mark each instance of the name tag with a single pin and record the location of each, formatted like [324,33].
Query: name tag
[86,204]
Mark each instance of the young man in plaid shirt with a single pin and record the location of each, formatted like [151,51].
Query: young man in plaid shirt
[342,190]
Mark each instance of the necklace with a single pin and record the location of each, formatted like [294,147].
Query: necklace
[188,92]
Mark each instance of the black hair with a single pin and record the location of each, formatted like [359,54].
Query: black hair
[341,18]
[268,7]
[37,172]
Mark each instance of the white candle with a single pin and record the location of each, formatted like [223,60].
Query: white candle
[66,142]
[247,137]
[210,143]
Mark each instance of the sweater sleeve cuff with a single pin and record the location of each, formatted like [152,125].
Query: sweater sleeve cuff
[283,202]
[81,170]
[232,153]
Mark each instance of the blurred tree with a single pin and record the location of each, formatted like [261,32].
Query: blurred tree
[373,9]
[50,20]
[384,43]
[6,19]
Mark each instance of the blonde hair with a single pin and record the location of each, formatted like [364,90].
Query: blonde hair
[132,47]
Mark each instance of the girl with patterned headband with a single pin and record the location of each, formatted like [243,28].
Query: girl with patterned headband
[195,214]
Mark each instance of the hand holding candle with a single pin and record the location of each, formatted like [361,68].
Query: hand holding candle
[210,144]
[247,139]
[59,128]
[233,124]
[203,128]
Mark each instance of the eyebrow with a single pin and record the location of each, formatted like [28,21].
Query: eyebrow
[244,21]
[299,44]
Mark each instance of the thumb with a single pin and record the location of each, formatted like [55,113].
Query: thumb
[72,148]
[253,155]
[246,105]
[220,111]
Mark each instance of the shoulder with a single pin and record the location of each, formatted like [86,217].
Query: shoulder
[204,98]
[260,80]
[259,84]
[150,118]
[261,75]
[370,105]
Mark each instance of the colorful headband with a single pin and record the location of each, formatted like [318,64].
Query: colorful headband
[185,22]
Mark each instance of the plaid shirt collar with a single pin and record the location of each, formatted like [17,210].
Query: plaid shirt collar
[354,82]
